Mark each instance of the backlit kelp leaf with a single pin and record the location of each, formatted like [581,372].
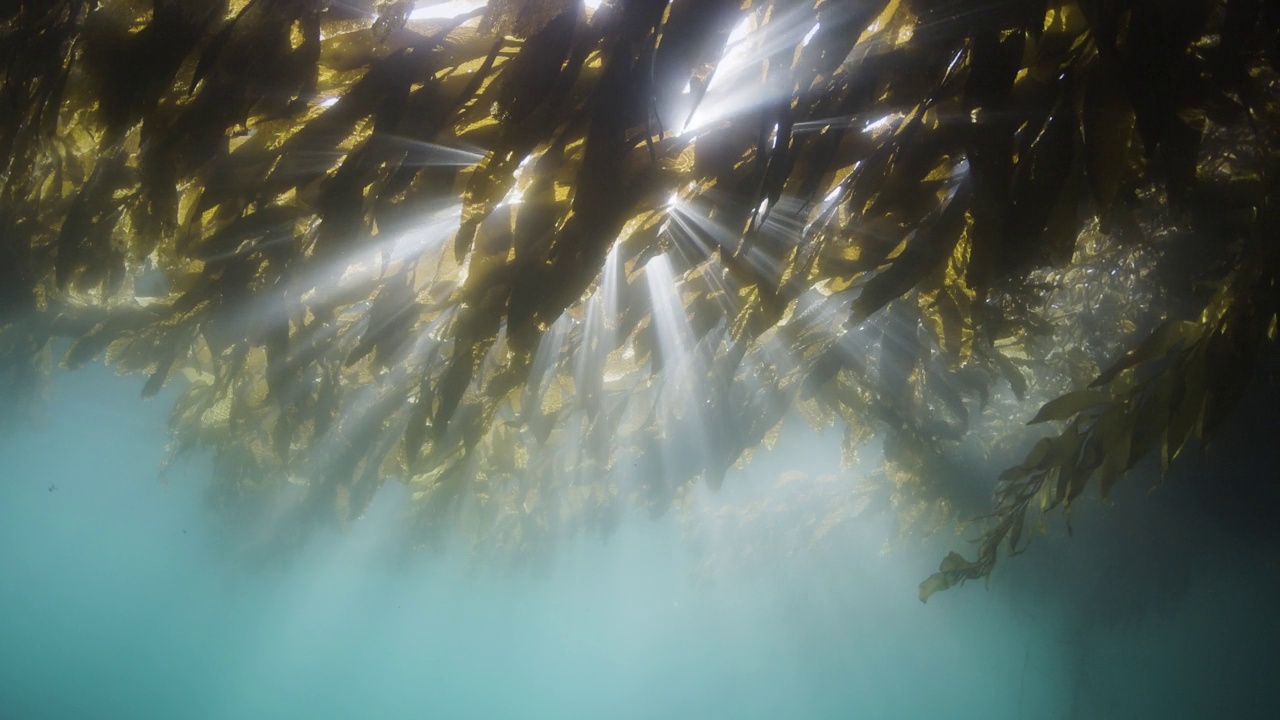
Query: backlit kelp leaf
[392,314]
[242,235]
[1108,126]
[955,569]
[137,66]
[931,246]
[86,348]
[91,214]
[1041,175]
[158,378]
[1113,431]
[1069,405]
[1170,335]
[527,80]
[214,47]
[1011,373]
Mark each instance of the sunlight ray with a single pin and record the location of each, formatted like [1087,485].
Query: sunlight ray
[739,83]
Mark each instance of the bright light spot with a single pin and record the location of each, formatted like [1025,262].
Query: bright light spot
[809,35]
[593,4]
[688,88]
[353,272]
[446,10]
[673,200]
[954,61]
[328,102]
[740,31]
[833,196]
[883,123]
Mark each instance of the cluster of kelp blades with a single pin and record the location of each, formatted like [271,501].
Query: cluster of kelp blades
[544,260]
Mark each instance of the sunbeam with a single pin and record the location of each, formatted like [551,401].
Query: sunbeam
[747,77]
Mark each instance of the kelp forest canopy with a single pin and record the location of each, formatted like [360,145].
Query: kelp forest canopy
[549,261]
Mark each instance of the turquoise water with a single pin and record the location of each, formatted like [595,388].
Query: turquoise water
[120,598]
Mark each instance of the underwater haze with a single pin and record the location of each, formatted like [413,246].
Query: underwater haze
[120,597]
